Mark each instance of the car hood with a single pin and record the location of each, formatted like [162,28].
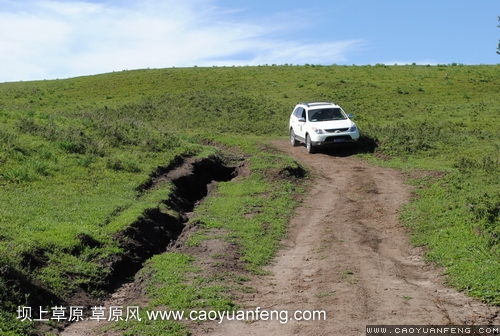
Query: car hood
[346,123]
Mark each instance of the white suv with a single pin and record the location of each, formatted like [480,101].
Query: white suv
[321,124]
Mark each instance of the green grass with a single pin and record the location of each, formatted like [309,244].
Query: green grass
[254,210]
[73,153]
[457,219]
[175,286]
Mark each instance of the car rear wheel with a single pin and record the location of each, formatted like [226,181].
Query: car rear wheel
[294,141]
[309,145]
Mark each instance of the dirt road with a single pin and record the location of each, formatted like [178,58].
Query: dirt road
[348,255]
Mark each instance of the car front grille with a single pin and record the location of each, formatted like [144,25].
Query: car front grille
[336,130]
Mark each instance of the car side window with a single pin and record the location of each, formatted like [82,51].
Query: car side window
[299,112]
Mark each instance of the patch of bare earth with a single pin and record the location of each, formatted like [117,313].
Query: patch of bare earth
[348,255]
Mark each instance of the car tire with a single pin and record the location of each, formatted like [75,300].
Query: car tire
[309,146]
[294,141]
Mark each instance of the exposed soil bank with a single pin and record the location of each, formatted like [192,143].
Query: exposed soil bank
[156,230]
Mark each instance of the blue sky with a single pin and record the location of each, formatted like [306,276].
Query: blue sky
[48,39]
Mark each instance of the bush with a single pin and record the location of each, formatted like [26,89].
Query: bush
[485,215]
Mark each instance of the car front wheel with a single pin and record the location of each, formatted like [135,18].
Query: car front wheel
[309,145]
[294,141]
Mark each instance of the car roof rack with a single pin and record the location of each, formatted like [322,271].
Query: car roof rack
[309,104]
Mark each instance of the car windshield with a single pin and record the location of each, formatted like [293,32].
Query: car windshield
[326,114]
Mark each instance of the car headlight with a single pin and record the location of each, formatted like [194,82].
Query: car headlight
[353,128]
[318,130]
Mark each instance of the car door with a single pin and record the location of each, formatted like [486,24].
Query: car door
[298,120]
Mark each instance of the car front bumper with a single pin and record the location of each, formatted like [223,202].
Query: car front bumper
[324,140]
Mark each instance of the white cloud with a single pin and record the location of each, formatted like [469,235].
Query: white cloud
[312,53]
[59,39]
[26,41]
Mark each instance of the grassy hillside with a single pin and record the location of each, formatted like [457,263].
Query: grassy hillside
[74,153]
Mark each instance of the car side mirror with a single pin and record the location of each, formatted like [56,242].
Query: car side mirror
[302,119]
[350,115]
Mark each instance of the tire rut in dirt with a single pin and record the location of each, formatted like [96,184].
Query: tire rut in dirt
[156,230]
